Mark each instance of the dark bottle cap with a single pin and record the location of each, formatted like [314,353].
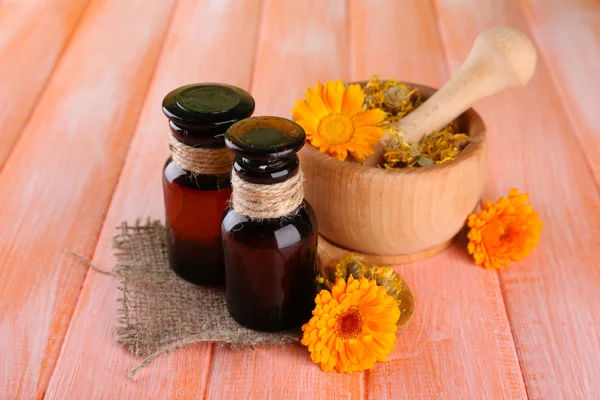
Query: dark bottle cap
[205,110]
[265,138]
[266,148]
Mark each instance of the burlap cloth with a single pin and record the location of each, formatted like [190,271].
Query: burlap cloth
[158,311]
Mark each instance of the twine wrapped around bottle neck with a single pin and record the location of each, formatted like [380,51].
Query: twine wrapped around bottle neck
[201,160]
[267,201]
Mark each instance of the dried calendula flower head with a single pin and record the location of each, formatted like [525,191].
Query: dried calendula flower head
[388,278]
[340,269]
[435,148]
[354,266]
[393,97]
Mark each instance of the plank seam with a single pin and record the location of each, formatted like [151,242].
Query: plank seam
[350,41]
[446,60]
[47,82]
[440,36]
[512,332]
[257,41]
[365,380]
[103,224]
[211,350]
[526,10]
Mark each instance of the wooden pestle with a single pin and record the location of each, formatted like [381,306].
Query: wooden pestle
[501,57]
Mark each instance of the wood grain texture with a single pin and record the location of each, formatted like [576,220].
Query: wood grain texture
[300,43]
[57,184]
[459,346]
[552,296]
[568,37]
[198,48]
[34,35]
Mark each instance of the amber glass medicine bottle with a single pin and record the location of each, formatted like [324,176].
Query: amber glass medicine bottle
[196,178]
[269,231]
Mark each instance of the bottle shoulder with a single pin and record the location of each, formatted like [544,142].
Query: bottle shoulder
[174,174]
[285,231]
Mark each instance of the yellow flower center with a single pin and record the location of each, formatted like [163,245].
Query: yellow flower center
[336,129]
[349,323]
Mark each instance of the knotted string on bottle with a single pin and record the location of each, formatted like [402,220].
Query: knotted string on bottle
[267,201]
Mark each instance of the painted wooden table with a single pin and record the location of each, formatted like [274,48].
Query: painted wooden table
[83,140]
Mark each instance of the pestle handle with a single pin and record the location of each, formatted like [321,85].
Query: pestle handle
[501,57]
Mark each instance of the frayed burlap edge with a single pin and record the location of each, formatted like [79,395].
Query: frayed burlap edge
[142,269]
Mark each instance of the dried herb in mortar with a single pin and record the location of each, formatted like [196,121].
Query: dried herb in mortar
[397,100]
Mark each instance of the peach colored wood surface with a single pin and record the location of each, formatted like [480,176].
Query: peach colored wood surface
[33,35]
[528,331]
[552,297]
[59,179]
[181,375]
[568,36]
[459,345]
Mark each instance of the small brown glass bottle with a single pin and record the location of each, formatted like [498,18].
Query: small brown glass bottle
[269,231]
[196,179]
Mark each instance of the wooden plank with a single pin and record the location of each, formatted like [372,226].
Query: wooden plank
[459,345]
[34,35]
[568,36]
[300,43]
[58,182]
[199,47]
[552,296]
[409,51]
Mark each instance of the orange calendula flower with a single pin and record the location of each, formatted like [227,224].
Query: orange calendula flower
[503,232]
[352,327]
[334,122]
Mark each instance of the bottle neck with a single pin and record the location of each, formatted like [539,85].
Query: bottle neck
[203,136]
[266,172]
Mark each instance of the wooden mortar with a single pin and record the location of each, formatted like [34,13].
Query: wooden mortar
[403,215]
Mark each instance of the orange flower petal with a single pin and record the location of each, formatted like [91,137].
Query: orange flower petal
[368,118]
[369,133]
[353,101]
[316,103]
[334,95]
[302,113]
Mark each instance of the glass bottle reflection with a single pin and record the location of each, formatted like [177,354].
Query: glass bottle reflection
[199,115]
[270,263]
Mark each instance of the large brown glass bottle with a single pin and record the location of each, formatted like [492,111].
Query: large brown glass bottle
[270,262]
[196,190]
